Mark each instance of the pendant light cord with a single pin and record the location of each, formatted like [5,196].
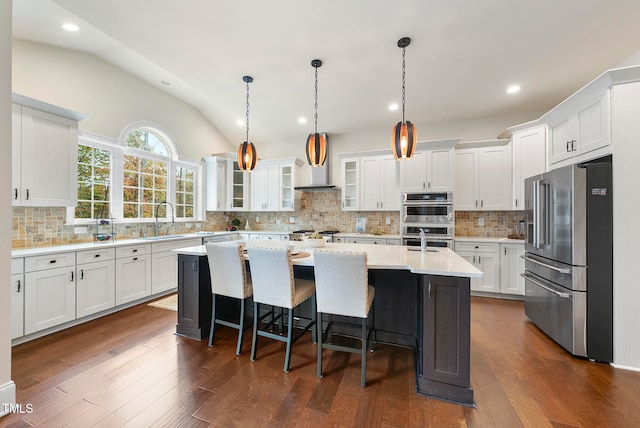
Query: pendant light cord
[316,105]
[247,112]
[403,73]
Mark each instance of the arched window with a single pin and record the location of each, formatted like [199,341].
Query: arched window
[147,174]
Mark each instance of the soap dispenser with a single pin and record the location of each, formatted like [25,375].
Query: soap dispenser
[246,225]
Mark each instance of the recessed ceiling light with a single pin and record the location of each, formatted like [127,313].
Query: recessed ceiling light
[70,27]
[513,89]
[302,120]
[393,107]
[165,82]
[240,122]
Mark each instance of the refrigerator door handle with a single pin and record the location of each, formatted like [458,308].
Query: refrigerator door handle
[557,269]
[551,290]
[536,213]
[544,217]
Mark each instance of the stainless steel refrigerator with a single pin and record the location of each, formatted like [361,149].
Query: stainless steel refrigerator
[569,257]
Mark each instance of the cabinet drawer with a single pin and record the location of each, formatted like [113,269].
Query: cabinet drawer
[161,247]
[17,265]
[96,255]
[49,261]
[486,247]
[133,250]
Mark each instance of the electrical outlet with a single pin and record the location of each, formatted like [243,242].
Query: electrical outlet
[187,225]
[80,230]
[278,222]
[388,221]
[226,218]
[292,220]
[481,221]
[257,219]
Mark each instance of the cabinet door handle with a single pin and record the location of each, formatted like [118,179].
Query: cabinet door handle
[423,185]
[481,203]
[194,266]
[429,185]
[15,193]
[19,285]
[479,260]
[505,251]
[429,290]
[516,202]
[52,261]
[380,204]
[476,203]
[474,260]
[568,146]
[27,194]
[573,145]
[96,256]
[71,276]
[135,259]
[134,251]
[81,273]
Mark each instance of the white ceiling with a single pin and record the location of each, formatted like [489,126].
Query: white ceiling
[463,55]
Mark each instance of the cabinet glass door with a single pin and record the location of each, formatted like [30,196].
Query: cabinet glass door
[286,190]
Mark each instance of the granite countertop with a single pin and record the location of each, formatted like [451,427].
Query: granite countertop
[440,261]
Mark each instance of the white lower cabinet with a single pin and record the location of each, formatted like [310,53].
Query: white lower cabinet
[366,240]
[164,263]
[49,293]
[96,286]
[17,297]
[484,256]
[511,266]
[133,273]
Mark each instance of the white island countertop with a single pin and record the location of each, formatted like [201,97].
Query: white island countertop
[441,261]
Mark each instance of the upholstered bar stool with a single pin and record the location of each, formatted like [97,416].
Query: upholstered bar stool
[342,288]
[274,285]
[228,278]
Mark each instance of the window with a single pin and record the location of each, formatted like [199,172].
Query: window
[127,181]
[94,182]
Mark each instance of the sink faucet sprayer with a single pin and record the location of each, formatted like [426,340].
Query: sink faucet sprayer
[423,241]
[173,219]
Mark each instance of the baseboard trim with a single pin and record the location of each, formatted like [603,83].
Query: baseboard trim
[619,366]
[7,397]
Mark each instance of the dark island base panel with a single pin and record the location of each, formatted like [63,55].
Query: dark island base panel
[438,328]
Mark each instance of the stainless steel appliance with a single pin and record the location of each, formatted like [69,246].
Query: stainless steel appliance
[432,212]
[560,235]
[427,208]
[439,235]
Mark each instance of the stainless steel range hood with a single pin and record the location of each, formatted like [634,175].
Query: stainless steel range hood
[320,177]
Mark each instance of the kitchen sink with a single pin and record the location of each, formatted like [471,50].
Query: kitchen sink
[160,238]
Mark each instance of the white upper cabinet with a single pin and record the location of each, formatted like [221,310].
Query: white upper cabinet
[431,169]
[216,183]
[45,157]
[529,158]
[370,181]
[483,177]
[237,187]
[350,183]
[586,129]
[272,185]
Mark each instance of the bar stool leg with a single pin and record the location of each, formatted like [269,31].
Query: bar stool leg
[254,339]
[241,327]
[213,319]
[287,358]
[318,328]
[314,318]
[363,380]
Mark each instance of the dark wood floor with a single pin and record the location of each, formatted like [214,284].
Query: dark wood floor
[128,369]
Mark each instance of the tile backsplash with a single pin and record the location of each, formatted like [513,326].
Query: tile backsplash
[45,226]
[497,224]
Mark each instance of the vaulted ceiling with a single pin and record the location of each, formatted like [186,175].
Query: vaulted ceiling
[463,55]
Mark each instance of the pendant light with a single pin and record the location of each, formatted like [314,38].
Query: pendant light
[247,155]
[403,137]
[316,143]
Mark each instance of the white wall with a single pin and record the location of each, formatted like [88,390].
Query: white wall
[7,389]
[111,97]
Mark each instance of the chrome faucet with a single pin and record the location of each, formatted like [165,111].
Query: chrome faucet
[423,241]
[173,219]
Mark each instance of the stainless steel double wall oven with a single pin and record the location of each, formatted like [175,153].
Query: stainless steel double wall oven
[431,212]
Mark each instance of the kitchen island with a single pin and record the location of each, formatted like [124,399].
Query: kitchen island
[422,301]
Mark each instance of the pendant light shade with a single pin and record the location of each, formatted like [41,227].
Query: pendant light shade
[316,143]
[403,137]
[247,155]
